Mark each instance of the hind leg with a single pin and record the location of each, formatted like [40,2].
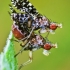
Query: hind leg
[27,62]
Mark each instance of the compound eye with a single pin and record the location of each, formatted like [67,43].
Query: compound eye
[47,46]
[53,26]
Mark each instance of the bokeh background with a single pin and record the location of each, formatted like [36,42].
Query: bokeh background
[56,10]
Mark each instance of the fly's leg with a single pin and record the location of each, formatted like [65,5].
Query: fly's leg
[27,62]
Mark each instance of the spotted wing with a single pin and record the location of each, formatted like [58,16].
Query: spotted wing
[25,6]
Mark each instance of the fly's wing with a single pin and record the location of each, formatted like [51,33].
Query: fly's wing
[25,6]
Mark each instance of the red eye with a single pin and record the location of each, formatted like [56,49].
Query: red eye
[53,26]
[47,46]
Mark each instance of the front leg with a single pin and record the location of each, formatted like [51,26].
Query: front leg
[14,40]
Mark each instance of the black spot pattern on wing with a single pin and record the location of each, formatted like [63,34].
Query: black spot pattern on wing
[25,6]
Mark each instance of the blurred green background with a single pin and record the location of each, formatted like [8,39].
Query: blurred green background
[56,10]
